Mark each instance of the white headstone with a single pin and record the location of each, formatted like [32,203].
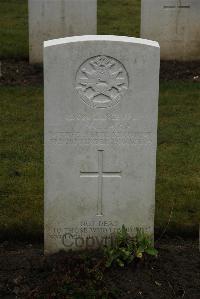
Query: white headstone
[175,24]
[49,19]
[101,106]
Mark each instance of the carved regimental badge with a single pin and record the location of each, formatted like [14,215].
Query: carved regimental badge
[101,81]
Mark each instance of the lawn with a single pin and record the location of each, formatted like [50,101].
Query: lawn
[119,17]
[13,29]
[178,159]
[21,151]
[21,141]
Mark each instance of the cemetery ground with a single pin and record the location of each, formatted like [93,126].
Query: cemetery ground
[24,271]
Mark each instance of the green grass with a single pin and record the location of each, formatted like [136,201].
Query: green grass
[21,150]
[178,159]
[13,29]
[119,17]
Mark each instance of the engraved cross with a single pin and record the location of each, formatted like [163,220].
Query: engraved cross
[101,174]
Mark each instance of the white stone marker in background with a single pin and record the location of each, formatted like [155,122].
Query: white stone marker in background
[49,19]
[175,24]
[101,106]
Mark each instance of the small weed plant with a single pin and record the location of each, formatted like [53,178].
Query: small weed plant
[127,248]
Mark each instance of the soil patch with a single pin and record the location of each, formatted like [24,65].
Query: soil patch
[26,273]
[22,73]
[185,71]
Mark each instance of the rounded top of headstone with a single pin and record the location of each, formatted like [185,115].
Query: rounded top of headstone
[111,38]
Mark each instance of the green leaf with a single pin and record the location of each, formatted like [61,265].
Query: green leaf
[120,263]
[151,251]
[141,248]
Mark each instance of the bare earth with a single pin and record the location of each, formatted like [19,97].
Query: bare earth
[26,273]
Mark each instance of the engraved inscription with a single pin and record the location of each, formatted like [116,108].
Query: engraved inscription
[178,5]
[100,175]
[89,234]
[102,138]
[101,81]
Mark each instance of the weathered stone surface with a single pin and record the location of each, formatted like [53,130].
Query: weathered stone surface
[50,19]
[175,24]
[101,105]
